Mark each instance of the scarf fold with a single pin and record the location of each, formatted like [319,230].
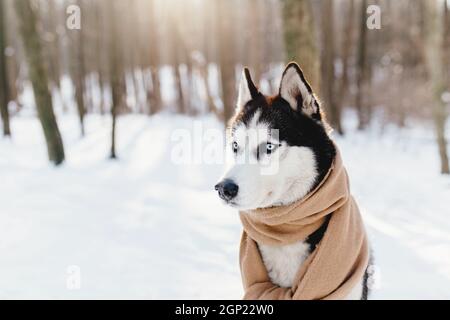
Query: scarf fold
[338,263]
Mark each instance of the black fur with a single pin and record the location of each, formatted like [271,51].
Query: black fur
[297,129]
[366,291]
[314,238]
[251,86]
[295,126]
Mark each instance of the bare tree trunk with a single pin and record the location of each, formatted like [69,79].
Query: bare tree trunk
[190,107]
[434,39]
[14,84]
[4,96]
[53,47]
[362,68]
[226,58]
[113,153]
[131,41]
[39,79]
[328,70]
[300,38]
[202,67]
[177,53]
[181,101]
[54,53]
[79,87]
[78,71]
[116,72]
[446,45]
[346,49]
[99,54]
[153,92]
[255,37]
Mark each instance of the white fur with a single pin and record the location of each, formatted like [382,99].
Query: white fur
[293,175]
[244,95]
[296,171]
[357,292]
[283,262]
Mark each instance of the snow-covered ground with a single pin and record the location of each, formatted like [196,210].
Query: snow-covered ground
[145,227]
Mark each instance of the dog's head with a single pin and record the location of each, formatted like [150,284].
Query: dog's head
[280,146]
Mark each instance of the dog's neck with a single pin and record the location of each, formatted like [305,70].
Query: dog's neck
[296,191]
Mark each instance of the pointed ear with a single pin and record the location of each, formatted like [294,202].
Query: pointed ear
[297,92]
[247,89]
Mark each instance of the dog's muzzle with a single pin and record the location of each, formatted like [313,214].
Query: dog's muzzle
[227,189]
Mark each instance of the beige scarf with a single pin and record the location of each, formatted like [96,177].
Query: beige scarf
[334,267]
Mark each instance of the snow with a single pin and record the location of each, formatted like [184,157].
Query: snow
[145,227]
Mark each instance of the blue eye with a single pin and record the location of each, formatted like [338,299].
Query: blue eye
[235,147]
[270,147]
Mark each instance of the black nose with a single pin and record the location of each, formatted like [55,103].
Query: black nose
[227,189]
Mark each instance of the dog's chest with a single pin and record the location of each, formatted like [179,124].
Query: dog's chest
[283,262]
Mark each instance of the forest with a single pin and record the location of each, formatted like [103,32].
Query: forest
[92,91]
[148,56]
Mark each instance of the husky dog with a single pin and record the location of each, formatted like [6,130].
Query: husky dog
[304,153]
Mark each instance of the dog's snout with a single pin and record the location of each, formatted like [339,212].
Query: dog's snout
[227,189]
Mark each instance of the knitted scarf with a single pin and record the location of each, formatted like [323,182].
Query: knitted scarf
[339,261]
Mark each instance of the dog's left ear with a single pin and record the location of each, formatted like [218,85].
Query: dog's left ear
[247,90]
[297,92]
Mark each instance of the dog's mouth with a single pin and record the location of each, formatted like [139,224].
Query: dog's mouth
[240,206]
[237,203]
[231,203]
